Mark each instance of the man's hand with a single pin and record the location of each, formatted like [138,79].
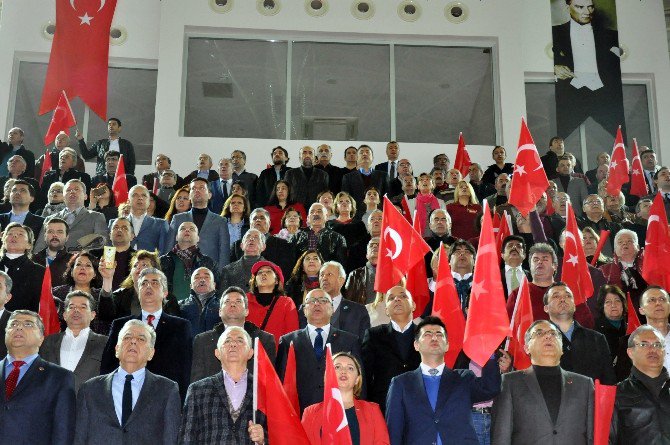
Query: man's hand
[256,433]
[505,361]
[78,135]
[562,72]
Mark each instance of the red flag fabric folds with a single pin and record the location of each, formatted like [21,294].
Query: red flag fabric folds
[62,119]
[602,415]
[522,318]
[447,307]
[504,231]
[120,184]
[335,429]
[46,165]
[655,265]
[633,321]
[462,161]
[290,380]
[417,282]
[575,271]
[529,180]
[400,248]
[80,54]
[48,312]
[284,427]
[618,172]
[638,186]
[487,324]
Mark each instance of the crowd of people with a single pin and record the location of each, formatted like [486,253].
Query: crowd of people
[156,341]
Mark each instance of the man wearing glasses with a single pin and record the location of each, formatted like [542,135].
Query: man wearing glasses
[543,403]
[642,400]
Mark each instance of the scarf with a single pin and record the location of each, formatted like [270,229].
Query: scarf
[424,205]
[186,256]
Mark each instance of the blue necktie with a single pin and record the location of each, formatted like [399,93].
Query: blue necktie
[318,344]
[127,400]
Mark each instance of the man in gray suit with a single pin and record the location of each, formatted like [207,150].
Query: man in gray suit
[80,220]
[238,273]
[130,405]
[544,403]
[575,187]
[78,349]
[212,228]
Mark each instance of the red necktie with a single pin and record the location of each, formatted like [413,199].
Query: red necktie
[150,320]
[13,379]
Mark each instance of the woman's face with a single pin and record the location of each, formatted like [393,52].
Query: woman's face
[55,195]
[282,192]
[292,220]
[83,272]
[237,189]
[346,372]
[590,243]
[372,196]
[311,264]
[344,204]
[182,204]
[138,267]
[463,189]
[613,307]
[327,200]
[266,278]
[237,206]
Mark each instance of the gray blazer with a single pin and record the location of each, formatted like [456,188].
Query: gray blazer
[577,191]
[89,364]
[155,418]
[214,236]
[85,223]
[520,415]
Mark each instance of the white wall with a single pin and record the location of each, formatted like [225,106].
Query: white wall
[520,30]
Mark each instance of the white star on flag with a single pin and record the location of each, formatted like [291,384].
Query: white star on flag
[612,165]
[636,171]
[573,260]
[86,19]
[520,169]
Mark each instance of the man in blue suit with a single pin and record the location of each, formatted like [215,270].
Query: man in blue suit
[220,188]
[150,232]
[37,405]
[212,228]
[433,404]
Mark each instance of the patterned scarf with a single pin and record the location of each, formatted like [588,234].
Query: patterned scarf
[186,256]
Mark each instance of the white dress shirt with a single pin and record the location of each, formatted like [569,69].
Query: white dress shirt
[584,57]
[425,368]
[72,348]
[508,276]
[311,329]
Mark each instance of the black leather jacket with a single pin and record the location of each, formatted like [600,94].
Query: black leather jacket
[638,417]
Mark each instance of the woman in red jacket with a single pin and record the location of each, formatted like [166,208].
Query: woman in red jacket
[365,419]
[464,211]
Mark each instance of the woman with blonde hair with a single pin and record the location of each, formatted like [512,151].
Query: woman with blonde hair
[179,203]
[464,211]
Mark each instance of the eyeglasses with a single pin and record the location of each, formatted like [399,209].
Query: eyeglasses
[24,324]
[647,345]
[541,333]
[151,283]
[318,300]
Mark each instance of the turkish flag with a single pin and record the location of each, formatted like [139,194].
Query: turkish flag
[487,324]
[655,266]
[638,186]
[529,180]
[334,429]
[604,234]
[400,248]
[46,165]
[62,119]
[618,172]
[462,162]
[120,184]
[633,321]
[48,312]
[550,207]
[602,415]
[404,204]
[504,231]
[522,318]
[284,427]
[447,307]
[575,272]
[80,54]
[417,282]
[290,382]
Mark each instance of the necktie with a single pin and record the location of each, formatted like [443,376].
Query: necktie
[127,401]
[515,280]
[433,372]
[150,320]
[13,378]
[69,218]
[318,344]
[224,189]
[392,174]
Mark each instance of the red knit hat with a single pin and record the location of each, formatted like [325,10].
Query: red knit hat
[271,265]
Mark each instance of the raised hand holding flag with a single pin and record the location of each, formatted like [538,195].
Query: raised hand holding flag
[61,120]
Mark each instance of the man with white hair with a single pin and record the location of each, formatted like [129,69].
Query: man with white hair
[330,244]
[625,271]
[150,232]
[131,403]
[64,170]
[14,146]
[172,356]
[211,403]
[238,273]
[62,140]
[201,307]
[593,216]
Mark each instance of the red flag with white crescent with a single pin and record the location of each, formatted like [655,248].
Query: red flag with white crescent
[655,265]
[575,271]
[618,172]
[638,186]
[335,428]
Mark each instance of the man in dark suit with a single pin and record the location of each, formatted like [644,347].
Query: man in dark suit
[324,155]
[113,142]
[575,187]
[512,271]
[348,315]
[586,87]
[131,404]
[266,181]
[543,403]
[172,356]
[5,296]
[21,197]
[204,169]
[161,163]
[221,188]
[67,163]
[306,181]
[38,406]
[248,179]
[14,146]
[211,414]
[388,349]
[649,167]
[233,312]
[358,181]
[16,166]
[662,186]
[17,241]
[78,349]
[111,163]
[54,254]
[390,167]
[150,233]
[309,345]
[433,403]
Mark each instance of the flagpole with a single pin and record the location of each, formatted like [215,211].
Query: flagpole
[254,400]
[516,306]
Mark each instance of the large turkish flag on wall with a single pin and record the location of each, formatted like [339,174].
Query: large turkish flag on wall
[80,54]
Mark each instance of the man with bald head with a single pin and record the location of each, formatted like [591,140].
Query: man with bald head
[306,181]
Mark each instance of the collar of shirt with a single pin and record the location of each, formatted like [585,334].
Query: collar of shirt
[19,214]
[425,368]
[23,369]
[432,284]
[311,329]
[396,326]
[365,172]
[570,331]
[460,277]
[75,212]
[577,27]
[118,383]
[509,268]
[138,376]
[336,302]
[243,378]
[156,314]
[82,334]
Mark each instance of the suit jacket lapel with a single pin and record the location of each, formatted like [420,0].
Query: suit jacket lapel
[30,374]
[303,342]
[565,383]
[79,217]
[534,390]
[447,382]
[420,396]
[84,355]
[57,345]
[107,400]
[144,397]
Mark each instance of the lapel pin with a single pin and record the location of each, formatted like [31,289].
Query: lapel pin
[569,381]
[41,368]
